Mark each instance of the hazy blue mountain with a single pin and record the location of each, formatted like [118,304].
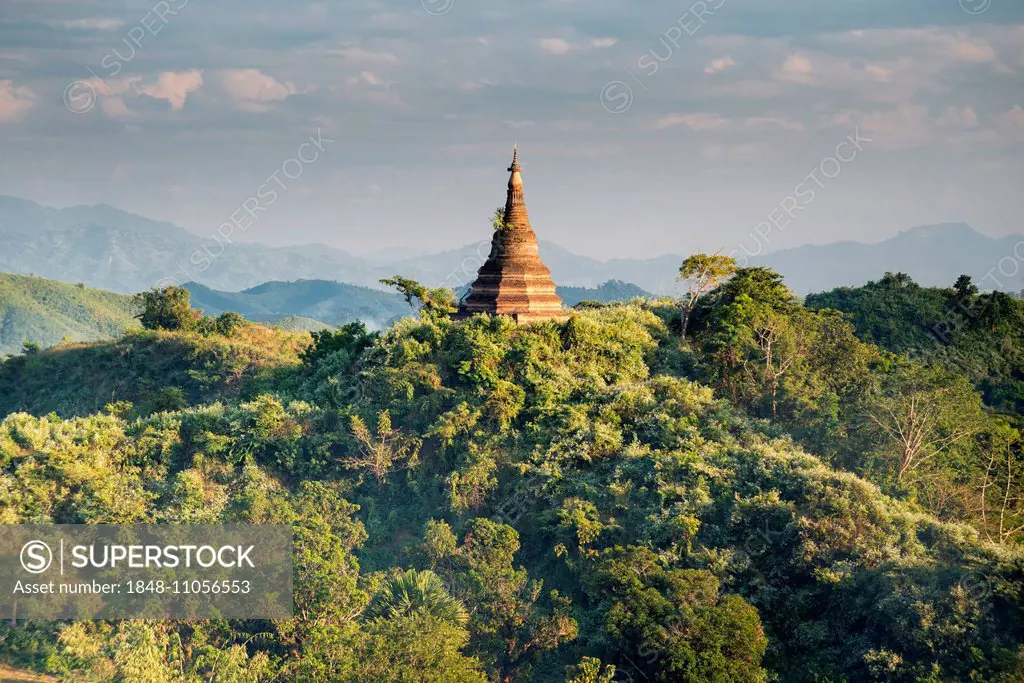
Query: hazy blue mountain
[108,248]
[333,303]
[105,247]
[934,255]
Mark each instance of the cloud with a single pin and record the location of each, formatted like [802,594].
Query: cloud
[358,54]
[170,86]
[797,68]
[1016,115]
[173,87]
[478,84]
[708,122]
[964,117]
[719,65]
[116,108]
[251,89]
[972,50]
[14,101]
[366,78]
[555,46]
[93,24]
[699,122]
[561,46]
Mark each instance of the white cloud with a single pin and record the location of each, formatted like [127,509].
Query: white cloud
[719,65]
[116,108]
[173,87]
[561,46]
[358,54]
[251,88]
[555,46]
[14,102]
[797,68]
[707,122]
[972,50]
[699,121]
[93,24]
[366,78]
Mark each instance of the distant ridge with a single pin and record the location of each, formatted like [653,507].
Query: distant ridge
[112,249]
[933,255]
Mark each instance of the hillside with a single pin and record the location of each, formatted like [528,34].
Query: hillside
[586,501]
[45,312]
[151,370]
[978,335]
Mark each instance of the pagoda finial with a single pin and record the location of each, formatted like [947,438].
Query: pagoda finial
[515,158]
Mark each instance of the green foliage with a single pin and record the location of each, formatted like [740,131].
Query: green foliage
[150,369]
[600,497]
[702,273]
[978,335]
[169,308]
[674,625]
[417,593]
[433,303]
[350,339]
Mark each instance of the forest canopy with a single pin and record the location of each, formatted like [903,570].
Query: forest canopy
[781,492]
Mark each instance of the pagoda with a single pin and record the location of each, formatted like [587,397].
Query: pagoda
[513,281]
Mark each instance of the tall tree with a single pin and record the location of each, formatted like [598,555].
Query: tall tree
[702,272]
[433,303]
[921,415]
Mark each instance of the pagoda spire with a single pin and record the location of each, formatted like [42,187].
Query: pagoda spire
[515,205]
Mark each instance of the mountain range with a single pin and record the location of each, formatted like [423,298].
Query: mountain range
[105,247]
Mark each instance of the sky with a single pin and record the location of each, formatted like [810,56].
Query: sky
[643,128]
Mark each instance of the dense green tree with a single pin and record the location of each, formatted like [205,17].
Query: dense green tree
[674,625]
[168,308]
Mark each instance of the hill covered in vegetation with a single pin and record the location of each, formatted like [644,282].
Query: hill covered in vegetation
[589,501]
[46,312]
[978,335]
[145,371]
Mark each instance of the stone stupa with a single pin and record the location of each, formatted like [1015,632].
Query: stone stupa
[513,281]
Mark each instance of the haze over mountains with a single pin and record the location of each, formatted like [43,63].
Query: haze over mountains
[108,248]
